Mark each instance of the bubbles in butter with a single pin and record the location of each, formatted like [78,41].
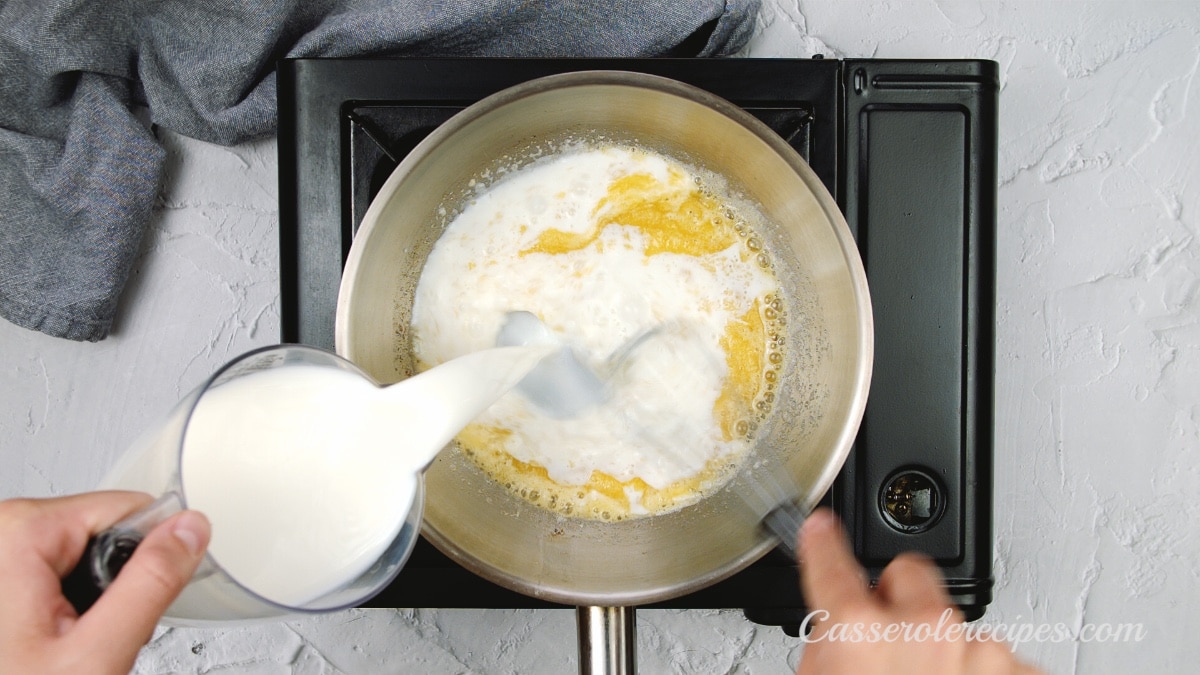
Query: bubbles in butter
[612,246]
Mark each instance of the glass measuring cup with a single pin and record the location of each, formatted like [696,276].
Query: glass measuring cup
[156,464]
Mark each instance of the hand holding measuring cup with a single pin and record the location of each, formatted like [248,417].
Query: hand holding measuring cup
[309,471]
[40,539]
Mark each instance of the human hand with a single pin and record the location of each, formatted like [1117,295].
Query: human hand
[41,540]
[909,592]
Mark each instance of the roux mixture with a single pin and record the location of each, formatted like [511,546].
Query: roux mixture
[606,245]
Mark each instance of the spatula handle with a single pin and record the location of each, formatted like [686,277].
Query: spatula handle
[783,522]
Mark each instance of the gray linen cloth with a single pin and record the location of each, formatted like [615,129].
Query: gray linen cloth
[83,83]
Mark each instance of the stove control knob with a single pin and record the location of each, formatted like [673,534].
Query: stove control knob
[911,501]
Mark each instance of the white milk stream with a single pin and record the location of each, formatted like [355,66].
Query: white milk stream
[308,472]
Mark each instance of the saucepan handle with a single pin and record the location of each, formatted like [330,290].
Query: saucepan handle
[608,635]
[607,640]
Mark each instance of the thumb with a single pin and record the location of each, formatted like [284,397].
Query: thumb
[831,578]
[124,617]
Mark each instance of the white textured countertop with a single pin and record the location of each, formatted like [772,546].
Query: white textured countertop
[1097,471]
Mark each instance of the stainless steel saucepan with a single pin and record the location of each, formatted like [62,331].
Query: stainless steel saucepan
[820,394]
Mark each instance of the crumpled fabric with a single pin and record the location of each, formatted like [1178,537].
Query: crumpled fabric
[84,83]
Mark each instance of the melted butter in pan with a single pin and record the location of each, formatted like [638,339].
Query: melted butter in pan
[598,233]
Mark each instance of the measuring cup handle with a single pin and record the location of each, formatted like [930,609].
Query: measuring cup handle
[105,555]
[107,552]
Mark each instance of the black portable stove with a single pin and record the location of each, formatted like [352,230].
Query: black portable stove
[907,148]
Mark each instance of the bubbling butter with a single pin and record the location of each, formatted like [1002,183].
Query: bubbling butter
[611,245]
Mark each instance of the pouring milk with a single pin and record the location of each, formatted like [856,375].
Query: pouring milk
[307,472]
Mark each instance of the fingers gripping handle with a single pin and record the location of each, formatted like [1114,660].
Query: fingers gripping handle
[108,551]
[105,555]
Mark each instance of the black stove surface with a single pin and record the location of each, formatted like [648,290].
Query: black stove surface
[907,148]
